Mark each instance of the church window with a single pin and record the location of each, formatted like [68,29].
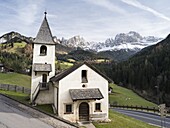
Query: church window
[98,107]
[84,76]
[83,85]
[44,81]
[43,50]
[68,109]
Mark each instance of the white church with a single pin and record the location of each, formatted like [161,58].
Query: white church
[77,94]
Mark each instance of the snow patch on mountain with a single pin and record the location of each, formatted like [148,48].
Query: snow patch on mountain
[75,42]
[127,41]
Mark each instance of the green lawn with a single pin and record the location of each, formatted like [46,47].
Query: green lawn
[15,79]
[102,60]
[122,121]
[63,65]
[123,96]
[46,108]
[16,95]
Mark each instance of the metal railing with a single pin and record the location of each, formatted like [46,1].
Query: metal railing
[44,85]
[35,93]
[154,109]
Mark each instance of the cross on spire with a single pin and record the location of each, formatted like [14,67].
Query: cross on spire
[45,13]
[44,35]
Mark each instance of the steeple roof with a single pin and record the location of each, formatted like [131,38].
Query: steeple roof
[44,35]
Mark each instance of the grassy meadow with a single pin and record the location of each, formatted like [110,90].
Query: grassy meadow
[15,79]
[122,121]
[17,48]
[124,96]
[63,65]
[16,95]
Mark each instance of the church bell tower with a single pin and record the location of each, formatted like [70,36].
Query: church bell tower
[43,65]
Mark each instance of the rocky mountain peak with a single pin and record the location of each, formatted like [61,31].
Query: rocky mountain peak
[127,41]
[127,37]
[75,42]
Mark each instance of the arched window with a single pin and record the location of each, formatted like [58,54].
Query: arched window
[44,81]
[43,50]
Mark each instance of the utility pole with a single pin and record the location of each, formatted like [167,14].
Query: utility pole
[163,112]
[157,92]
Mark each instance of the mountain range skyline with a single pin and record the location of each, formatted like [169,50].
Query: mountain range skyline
[132,41]
[93,20]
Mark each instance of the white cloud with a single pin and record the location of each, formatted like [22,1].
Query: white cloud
[95,20]
[107,5]
[28,10]
[137,4]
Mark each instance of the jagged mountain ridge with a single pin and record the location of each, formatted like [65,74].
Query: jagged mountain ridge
[127,41]
[131,41]
[120,48]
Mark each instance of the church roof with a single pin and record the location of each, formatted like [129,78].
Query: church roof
[86,94]
[73,68]
[44,35]
[42,67]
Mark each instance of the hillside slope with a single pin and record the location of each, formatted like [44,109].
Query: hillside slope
[15,79]
[148,72]
[124,96]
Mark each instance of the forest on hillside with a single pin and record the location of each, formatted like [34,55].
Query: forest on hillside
[147,73]
[18,63]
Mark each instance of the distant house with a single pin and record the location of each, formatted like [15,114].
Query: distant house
[77,94]
[2,68]
[110,89]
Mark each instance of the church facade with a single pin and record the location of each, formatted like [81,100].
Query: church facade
[77,94]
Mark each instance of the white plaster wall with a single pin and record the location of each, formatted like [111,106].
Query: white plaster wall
[46,96]
[73,81]
[56,96]
[49,59]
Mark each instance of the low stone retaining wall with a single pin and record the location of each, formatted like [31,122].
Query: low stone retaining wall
[15,88]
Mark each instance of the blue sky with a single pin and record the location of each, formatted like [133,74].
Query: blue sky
[95,20]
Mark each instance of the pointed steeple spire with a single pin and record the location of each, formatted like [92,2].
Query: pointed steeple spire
[44,35]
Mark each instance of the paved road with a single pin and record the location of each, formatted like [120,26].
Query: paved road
[150,118]
[11,117]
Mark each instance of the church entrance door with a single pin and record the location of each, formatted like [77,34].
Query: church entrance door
[84,112]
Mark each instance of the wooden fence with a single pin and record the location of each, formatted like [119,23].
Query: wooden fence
[141,108]
[15,88]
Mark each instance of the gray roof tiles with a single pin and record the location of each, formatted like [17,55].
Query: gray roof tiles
[42,68]
[44,35]
[85,94]
[73,68]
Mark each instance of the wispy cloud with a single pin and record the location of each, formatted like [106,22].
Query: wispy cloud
[107,5]
[95,20]
[137,4]
[28,10]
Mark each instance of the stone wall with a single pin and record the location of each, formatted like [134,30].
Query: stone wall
[15,88]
